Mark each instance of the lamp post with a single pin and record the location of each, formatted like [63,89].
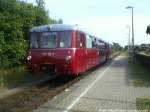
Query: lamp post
[128,38]
[130,7]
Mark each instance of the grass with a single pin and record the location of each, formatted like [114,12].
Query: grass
[10,78]
[141,78]
[143,104]
[139,73]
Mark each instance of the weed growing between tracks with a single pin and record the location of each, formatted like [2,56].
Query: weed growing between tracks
[139,73]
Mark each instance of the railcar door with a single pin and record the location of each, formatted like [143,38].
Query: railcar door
[80,52]
[89,52]
[102,51]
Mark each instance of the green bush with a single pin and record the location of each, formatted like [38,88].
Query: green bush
[144,59]
[16,19]
[13,77]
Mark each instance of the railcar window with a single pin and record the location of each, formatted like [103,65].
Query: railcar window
[60,39]
[94,44]
[49,40]
[65,39]
[97,43]
[88,41]
[80,40]
[33,41]
[101,44]
[83,39]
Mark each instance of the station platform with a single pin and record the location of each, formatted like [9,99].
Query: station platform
[108,88]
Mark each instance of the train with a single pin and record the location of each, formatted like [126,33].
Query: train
[65,49]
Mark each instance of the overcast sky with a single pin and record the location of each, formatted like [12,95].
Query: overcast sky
[105,18]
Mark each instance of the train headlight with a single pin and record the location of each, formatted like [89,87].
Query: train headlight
[68,58]
[29,57]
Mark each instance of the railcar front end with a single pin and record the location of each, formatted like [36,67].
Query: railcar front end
[51,51]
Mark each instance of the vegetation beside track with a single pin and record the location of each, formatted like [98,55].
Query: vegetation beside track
[140,74]
[143,58]
[30,99]
[17,17]
[143,104]
[141,78]
[10,78]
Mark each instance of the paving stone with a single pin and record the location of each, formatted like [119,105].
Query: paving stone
[114,91]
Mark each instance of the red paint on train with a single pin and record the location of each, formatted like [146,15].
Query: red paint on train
[65,49]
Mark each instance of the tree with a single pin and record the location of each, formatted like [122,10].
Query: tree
[148,29]
[60,21]
[40,3]
[116,46]
[126,47]
[17,17]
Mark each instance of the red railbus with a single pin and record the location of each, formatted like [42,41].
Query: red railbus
[65,49]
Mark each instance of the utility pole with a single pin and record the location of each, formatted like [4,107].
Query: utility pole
[130,7]
[128,38]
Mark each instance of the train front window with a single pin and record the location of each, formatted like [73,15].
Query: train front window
[60,39]
[44,40]
[33,41]
[65,39]
[49,40]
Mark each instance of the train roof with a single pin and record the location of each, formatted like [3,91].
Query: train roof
[55,27]
[60,27]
